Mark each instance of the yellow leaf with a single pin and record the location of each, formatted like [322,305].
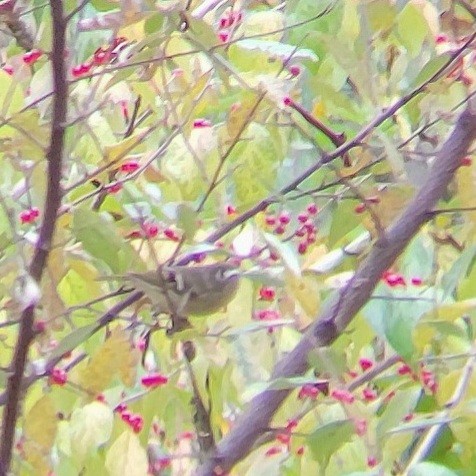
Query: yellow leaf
[105,363]
[127,457]
[451,312]
[263,22]
[392,201]
[447,386]
[128,367]
[466,179]
[305,290]
[113,153]
[319,110]
[90,427]
[37,458]
[40,423]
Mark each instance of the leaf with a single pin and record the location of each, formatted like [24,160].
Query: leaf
[412,28]
[431,68]
[276,49]
[328,438]
[126,456]
[90,427]
[100,238]
[73,340]
[115,152]
[286,252]
[106,362]
[264,23]
[306,291]
[41,424]
[428,468]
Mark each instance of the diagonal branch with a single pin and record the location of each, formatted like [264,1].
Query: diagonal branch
[335,318]
[38,263]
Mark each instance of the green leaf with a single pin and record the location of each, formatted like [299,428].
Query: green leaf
[412,28]
[286,252]
[431,68]
[427,468]
[276,49]
[73,340]
[90,427]
[126,456]
[328,438]
[101,240]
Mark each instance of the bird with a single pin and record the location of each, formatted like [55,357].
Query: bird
[188,290]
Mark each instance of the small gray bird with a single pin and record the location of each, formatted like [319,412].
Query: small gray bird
[188,290]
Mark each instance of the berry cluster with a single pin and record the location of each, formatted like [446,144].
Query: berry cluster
[304,231]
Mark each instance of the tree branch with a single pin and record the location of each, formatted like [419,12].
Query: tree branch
[38,263]
[334,319]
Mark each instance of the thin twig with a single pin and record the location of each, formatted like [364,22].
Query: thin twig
[42,248]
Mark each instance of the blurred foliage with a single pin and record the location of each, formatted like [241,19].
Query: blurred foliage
[177,125]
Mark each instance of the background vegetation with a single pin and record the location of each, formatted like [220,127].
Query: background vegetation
[323,146]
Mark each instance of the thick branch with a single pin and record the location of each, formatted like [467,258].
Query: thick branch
[38,263]
[256,418]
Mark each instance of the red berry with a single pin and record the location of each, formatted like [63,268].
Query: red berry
[365,364]
[151,230]
[343,396]
[267,315]
[404,370]
[394,279]
[154,380]
[101,56]
[270,220]
[8,69]
[284,438]
[287,101]
[39,326]
[171,234]
[466,162]
[130,166]
[291,424]
[312,209]
[408,417]
[280,229]
[223,36]
[417,281]
[274,450]
[122,407]
[114,187]
[300,451]
[441,39]
[360,426]
[267,293]
[284,218]
[302,247]
[302,217]
[225,21]
[117,41]
[29,216]
[369,394]
[360,208]
[230,210]
[300,232]
[136,422]
[199,123]
[32,56]
[81,69]
[58,377]
[311,238]
[308,391]
[295,70]
[371,461]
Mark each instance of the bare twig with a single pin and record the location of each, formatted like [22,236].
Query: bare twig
[42,248]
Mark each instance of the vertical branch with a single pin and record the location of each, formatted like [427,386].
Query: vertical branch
[40,256]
